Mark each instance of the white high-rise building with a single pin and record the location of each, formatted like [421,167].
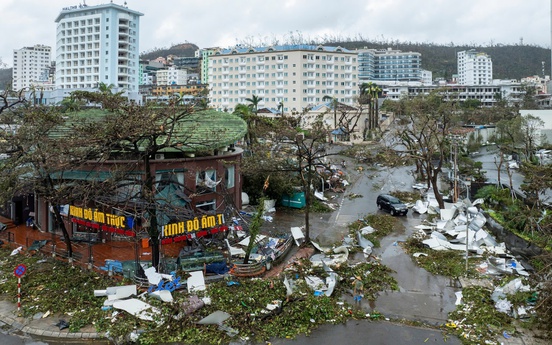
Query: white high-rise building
[97,44]
[31,66]
[297,76]
[474,68]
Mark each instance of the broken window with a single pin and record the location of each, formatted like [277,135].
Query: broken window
[206,181]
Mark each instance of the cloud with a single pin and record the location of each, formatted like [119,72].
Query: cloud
[209,23]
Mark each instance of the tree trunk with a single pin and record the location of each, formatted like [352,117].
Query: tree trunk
[254,229]
[433,177]
[59,220]
[499,168]
[66,237]
[153,230]
[376,115]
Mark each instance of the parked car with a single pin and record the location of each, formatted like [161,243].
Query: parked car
[391,204]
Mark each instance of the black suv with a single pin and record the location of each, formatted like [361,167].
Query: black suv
[390,203]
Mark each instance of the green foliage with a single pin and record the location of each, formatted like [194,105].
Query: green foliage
[46,288]
[383,225]
[494,195]
[319,207]
[446,263]
[477,320]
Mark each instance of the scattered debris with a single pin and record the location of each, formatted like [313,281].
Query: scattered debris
[138,308]
[16,251]
[62,324]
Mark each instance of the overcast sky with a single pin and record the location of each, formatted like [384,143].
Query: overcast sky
[224,23]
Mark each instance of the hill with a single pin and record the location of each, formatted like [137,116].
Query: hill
[5,77]
[181,49]
[509,61]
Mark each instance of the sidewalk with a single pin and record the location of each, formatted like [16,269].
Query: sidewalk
[43,327]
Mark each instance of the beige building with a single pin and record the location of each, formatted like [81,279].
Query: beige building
[297,76]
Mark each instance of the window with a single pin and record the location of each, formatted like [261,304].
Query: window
[206,180]
[209,205]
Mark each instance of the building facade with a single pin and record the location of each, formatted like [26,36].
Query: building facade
[299,76]
[31,66]
[474,68]
[97,44]
[203,55]
[388,65]
[191,182]
[510,91]
[191,64]
[172,76]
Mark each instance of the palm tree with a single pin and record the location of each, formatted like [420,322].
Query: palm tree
[333,105]
[105,88]
[369,93]
[246,113]
[376,92]
[281,108]
[254,103]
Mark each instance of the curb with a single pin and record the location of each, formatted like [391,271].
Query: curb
[17,325]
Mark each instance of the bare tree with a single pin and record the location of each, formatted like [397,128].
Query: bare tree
[43,147]
[136,134]
[426,136]
[291,158]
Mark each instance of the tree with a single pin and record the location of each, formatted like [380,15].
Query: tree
[510,135]
[254,103]
[246,113]
[538,180]
[45,145]
[529,101]
[369,93]
[291,157]
[11,99]
[521,132]
[333,105]
[531,126]
[426,136]
[140,133]
[281,108]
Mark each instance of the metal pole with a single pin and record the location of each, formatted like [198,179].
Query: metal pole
[467,238]
[18,294]
[455,192]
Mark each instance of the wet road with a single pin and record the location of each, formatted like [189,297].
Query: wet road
[373,333]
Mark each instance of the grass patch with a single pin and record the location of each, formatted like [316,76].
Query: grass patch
[384,224]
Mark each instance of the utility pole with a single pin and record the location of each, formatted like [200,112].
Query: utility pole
[455,192]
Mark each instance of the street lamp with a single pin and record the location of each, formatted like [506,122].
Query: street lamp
[470,212]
